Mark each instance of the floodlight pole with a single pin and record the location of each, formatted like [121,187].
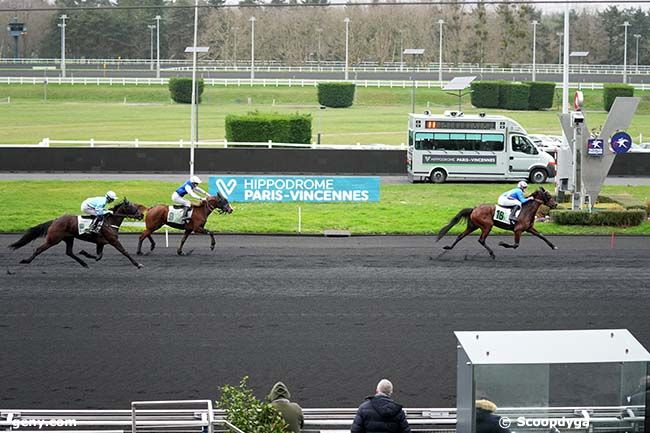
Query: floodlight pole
[157,18]
[559,58]
[62,25]
[151,28]
[193,126]
[626,24]
[534,43]
[565,71]
[440,22]
[252,20]
[401,50]
[347,45]
[637,37]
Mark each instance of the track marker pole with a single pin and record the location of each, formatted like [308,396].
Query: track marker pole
[299,219]
[166,238]
[612,242]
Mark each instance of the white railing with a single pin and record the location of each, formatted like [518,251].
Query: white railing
[265,82]
[47,142]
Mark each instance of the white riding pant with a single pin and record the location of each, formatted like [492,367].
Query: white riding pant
[180,200]
[505,201]
[88,210]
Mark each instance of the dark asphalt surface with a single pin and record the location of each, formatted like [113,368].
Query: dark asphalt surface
[327,316]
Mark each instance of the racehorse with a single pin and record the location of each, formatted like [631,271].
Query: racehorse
[480,217]
[156,217]
[65,228]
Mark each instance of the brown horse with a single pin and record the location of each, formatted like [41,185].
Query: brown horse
[480,217]
[65,229]
[157,217]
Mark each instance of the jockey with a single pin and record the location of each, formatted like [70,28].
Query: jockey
[514,198]
[189,187]
[97,206]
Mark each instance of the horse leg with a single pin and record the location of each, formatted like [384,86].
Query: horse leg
[534,232]
[470,228]
[153,244]
[179,251]
[213,242]
[69,242]
[100,252]
[118,246]
[516,244]
[485,231]
[47,244]
[145,234]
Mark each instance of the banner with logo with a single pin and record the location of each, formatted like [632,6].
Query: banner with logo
[316,189]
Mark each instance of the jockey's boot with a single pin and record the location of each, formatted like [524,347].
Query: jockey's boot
[186,219]
[96,225]
[514,215]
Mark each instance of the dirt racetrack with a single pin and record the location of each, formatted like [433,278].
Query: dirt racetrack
[329,317]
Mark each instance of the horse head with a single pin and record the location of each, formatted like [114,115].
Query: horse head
[545,197]
[219,202]
[128,209]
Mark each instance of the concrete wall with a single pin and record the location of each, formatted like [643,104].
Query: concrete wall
[143,160]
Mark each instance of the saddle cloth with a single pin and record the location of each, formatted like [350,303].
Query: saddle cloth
[175,214]
[502,214]
[84,222]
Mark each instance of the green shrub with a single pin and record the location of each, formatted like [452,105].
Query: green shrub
[617,218]
[541,95]
[627,201]
[336,95]
[485,94]
[248,413]
[260,127]
[181,89]
[514,96]
[613,90]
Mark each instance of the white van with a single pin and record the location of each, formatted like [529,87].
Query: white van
[473,147]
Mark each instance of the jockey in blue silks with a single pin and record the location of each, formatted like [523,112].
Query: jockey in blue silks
[514,198]
[97,206]
[190,187]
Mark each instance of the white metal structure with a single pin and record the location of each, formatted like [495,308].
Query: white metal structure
[480,147]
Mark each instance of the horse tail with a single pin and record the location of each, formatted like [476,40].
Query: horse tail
[465,213]
[32,233]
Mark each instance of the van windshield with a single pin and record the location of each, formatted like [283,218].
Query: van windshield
[459,141]
[523,144]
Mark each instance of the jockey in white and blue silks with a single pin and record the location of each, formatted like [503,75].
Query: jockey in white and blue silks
[514,198]
[96,206]
[190,187]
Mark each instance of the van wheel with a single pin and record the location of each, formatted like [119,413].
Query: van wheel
[438,176]
[538,175]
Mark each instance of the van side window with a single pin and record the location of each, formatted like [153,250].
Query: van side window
[467,142]
[522,144]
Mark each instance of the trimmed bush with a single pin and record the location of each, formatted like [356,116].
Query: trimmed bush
[181,89]
[485,94]
[612,90]
[541,95]
[514,96]
[336,95]
[617,218]
[260,127]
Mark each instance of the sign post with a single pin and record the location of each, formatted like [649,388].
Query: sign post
[44,69]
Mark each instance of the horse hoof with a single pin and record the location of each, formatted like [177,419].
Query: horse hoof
[139,253]
[139,266]
[554,247]
[446,247]
[180,253]
[493,256]
[85,265]
[211,247]
[24,261]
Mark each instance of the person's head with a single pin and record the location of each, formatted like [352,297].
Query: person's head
[111,196]
[385,387]
[195,180]
[522,185]
[279,390]
[485,404]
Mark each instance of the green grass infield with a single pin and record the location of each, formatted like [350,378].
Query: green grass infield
[418,209]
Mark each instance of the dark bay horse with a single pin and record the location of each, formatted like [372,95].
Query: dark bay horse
[65,228]
[480,217]
[157,217]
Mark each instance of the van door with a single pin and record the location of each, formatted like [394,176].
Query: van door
[523,155]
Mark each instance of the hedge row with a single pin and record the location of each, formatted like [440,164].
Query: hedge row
[617,218]
[181,89]
[534,95]
[260,127]
[336,95]
[612,90]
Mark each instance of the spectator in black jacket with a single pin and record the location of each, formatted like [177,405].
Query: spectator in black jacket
[487,421]
[380,414]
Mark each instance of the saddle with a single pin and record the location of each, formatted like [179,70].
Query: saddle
[175,214]
[84,222]
[502,214]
